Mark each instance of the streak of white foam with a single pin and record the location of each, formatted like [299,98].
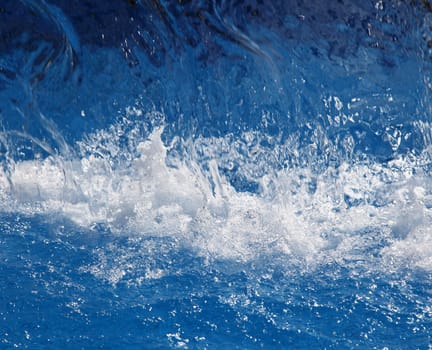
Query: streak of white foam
[310,225]
[4,185]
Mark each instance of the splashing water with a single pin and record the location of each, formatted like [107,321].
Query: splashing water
[215,174]
[307,216]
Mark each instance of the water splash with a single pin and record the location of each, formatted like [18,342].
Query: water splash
[350,212]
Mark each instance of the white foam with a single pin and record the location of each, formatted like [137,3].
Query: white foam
[144,195]
[412,251]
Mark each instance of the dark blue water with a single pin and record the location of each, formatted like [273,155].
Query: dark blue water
[215,174]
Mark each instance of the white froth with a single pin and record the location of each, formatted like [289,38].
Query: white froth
[311,226]
[415,250]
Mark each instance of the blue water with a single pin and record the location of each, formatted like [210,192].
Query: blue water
[215,174]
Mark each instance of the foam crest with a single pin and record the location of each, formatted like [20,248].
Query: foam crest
[349,212]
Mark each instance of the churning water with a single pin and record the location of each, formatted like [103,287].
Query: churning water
[215,174]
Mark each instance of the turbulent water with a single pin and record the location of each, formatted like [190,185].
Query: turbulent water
[215,174]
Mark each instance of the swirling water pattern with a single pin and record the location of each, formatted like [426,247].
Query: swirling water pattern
[215,174]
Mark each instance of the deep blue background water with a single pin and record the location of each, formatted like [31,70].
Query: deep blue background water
[215,174]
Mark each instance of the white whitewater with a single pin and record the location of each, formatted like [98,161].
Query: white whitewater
[350,209]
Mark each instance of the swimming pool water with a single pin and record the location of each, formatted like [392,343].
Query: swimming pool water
[215,174]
